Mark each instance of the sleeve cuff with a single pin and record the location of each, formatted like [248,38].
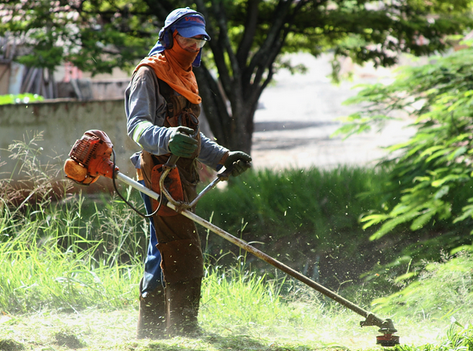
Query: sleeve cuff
[224,158]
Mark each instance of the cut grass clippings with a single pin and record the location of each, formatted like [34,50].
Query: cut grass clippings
[97,330]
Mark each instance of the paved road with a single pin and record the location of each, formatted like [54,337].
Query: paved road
[298,114]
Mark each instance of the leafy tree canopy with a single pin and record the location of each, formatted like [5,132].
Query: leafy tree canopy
[431,178]
[248,39]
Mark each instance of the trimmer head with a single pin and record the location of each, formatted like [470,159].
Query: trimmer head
[386,328]
[387,340]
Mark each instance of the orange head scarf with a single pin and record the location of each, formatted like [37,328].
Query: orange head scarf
[174,66]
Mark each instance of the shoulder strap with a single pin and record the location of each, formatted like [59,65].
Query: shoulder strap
[176,104]
[167,92]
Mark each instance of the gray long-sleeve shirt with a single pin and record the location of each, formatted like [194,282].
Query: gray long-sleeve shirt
[146,111]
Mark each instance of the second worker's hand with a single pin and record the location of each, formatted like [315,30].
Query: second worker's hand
[181,143]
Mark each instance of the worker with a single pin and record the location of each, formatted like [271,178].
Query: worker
[162,105]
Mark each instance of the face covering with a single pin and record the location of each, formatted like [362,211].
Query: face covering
[174,66]
[180,56]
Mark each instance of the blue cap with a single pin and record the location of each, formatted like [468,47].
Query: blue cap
[190,26]
[187,22]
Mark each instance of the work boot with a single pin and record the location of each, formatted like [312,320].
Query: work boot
[151,318]
[182,301]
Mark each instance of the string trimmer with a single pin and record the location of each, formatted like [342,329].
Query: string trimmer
[90,158]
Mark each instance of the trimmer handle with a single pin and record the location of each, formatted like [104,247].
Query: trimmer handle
[172,160]
[224,175]
[171,163]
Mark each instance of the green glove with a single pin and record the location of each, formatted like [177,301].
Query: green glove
[237,162]
[181,143]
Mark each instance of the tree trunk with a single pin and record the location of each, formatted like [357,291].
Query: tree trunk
[244,73]
[231,121]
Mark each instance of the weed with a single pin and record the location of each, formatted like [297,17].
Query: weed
[11,345]
[441,290]
[68,338]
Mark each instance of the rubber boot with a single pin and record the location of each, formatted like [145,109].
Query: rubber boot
[182,300]
[152,313]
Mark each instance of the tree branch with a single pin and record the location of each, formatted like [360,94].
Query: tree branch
[230,83]
[214,104]
[251,23]
[215,43]
[270,50]
[279,16]
[160,9]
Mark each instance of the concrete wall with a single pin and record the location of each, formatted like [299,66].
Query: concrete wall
[62,123]
[4,78]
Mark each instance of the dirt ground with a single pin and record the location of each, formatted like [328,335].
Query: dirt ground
[298,114]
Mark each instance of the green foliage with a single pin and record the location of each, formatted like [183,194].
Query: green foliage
[38,273]
[249,39]
[229,290]
[459,337]
[431,174]
[46,54]
[97,36]
[19,99]
[306,218]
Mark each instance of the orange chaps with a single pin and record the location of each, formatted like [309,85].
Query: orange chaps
[174,309]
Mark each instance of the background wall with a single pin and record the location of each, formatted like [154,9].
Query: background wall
[62,123]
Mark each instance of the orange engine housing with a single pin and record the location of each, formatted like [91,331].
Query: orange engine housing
[90,158]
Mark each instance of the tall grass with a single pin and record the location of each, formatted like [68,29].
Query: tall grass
[459,338]
[83,252]
[324,204]
[39,274]
[249,297]
[440,290]
[308,217]
[69,254]
[49,260]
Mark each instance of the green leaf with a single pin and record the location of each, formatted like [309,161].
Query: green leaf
[392,223]
[458,152]
[373,220]
[406,276]
[437,154]
[448,178]
[442,192]
[420,221]
[467,212]
[461,248]
[431,149]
